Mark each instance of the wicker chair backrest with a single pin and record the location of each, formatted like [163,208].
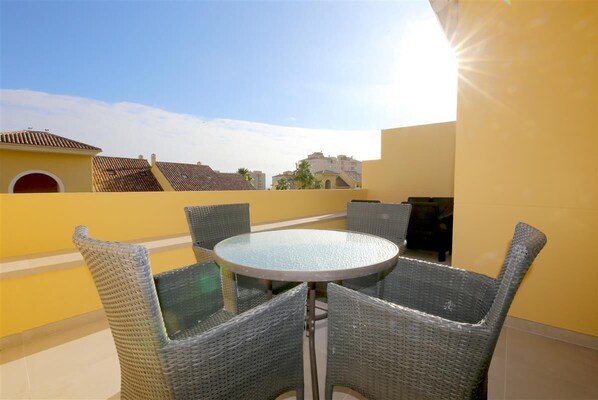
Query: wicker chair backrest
[527,243]
[387,220]
[123,278]
[523,234]
[211,224]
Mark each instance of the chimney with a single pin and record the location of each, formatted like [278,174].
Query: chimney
[153,159]
[140,156]
[199,163]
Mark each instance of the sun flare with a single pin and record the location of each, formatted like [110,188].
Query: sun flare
[425,68]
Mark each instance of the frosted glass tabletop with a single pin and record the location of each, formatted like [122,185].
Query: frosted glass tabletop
[306,255]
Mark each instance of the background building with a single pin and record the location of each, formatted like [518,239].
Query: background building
[258,179]
[339,172]
[319,162]
[41,162]
[288,175]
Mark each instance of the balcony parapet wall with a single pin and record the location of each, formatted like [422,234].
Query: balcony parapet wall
[31,266]
[44,280]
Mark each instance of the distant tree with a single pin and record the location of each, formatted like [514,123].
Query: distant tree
[244,172]
[304,178]
[282,184]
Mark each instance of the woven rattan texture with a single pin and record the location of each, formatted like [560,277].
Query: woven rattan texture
[433,333]
[213,223]
[387,220]
[255,355]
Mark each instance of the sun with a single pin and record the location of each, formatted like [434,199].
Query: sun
[424,72]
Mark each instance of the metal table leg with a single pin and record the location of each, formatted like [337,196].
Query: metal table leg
[269,290]
[311,326]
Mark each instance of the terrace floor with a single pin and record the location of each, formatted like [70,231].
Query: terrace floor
[81,363]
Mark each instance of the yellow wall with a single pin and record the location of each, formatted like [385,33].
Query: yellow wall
[416,161]
[36,224]
[527,150]
[42,223]
[75,171]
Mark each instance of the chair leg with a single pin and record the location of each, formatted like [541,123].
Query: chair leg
[329,391]
[484,391]
[441,255]
[300,393]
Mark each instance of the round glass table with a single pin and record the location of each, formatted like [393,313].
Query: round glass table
[306,255]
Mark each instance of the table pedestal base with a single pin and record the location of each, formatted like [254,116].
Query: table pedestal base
[311,329]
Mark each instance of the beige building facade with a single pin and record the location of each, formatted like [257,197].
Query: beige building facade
[41,162]
[258,179]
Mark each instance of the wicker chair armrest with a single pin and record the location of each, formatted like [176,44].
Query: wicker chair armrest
[399,346]
[440,290]
[247,351]
[202,254]
[188,295]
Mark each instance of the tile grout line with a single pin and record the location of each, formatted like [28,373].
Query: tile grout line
[504,392]
[27,374]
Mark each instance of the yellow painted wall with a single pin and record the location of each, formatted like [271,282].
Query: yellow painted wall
[527,150]
[75,171]
[42,223]
[415,161]
[33,224]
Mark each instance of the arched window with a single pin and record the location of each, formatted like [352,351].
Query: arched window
[327,185]
[36,182]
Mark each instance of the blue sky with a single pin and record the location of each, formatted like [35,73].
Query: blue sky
[345,68]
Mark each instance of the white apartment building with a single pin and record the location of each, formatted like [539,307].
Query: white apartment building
[338,172]
[288,175]
[258,179]
[319,162]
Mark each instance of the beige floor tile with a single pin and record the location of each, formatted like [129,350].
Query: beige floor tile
[497,371]
[81,363]
[321,340]
[86,368]
[14,380]
[53,336]
[535,367]
[543,368]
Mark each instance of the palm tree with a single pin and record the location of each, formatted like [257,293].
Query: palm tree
[282,184]
[244,172]
[304,178]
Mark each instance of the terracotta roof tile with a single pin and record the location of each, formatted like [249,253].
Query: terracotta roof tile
[37,138]
[185,177]
[191,177]
[232,181]
[118,174]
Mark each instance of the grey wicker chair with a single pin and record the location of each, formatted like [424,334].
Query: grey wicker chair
[211,224]
[176,340]
[433,333]
[387,220]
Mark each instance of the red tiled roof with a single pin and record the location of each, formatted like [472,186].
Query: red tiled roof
[191,177]
[233,181]
[118,174]
[37,138]
[185,177]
